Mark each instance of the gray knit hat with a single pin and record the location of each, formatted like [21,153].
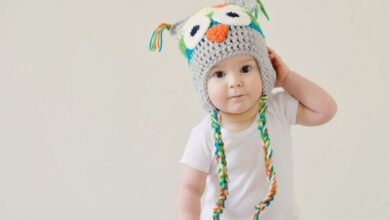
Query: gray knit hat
[216,33]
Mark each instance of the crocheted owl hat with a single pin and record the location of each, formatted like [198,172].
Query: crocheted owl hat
[209,36]
[218,32]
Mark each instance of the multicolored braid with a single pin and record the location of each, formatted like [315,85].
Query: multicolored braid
[269,167]
[222,167]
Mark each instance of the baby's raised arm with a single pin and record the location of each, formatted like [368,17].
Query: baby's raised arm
[190,189]
[316,106]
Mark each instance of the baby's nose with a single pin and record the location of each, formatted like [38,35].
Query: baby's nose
[235,82]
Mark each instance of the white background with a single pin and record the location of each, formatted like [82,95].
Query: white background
[92,124]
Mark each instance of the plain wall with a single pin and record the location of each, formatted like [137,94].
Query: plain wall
[92,124]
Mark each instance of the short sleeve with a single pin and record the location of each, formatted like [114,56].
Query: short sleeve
[286,106]
[197,153]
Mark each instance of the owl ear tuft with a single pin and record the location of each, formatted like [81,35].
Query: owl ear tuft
[249,5]
[176,29]
[156,40]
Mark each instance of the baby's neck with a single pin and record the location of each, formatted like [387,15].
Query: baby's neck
[238,122]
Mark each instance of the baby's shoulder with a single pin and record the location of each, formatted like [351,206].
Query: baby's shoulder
[282,105]
[201,134]
[203,126]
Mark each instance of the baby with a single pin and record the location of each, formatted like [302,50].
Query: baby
[228,157]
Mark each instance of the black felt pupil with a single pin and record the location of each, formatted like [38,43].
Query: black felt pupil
[232,14]
[194,30]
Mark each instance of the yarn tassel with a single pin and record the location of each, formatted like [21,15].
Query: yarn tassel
[156,38]
[259,4]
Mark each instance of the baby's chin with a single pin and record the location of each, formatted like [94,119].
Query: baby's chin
[236,110]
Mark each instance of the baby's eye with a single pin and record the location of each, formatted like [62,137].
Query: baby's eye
[246,69]
[219,74]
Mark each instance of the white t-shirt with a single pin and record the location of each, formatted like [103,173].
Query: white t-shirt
[245,164]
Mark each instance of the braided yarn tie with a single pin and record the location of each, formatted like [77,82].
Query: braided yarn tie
[222,167]
[269,168]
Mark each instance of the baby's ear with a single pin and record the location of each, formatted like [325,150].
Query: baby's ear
[249,5]
[176,29]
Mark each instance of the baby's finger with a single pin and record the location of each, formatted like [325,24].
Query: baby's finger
[270,50]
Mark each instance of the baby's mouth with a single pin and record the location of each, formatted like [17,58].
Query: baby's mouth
[237,96]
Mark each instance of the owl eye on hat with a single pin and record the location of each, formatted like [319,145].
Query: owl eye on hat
[212,23]
[218,32]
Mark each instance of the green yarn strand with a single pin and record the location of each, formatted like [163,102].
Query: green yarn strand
[260,4]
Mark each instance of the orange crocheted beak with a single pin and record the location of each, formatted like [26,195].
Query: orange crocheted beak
[218,33]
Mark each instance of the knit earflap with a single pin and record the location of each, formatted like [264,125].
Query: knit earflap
[222,164]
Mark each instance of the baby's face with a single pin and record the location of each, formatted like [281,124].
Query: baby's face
[234,84]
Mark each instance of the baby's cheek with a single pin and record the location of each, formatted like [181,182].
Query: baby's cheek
[213,96]
[215,93]
[256,86]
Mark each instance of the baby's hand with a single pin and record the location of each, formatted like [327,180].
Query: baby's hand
[280,67]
